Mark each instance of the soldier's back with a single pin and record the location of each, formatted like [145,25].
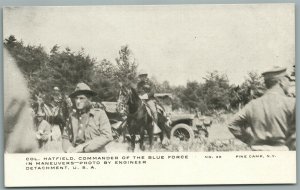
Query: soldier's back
[271,115]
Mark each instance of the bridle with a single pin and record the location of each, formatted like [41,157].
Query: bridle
[122,101]
[125,97]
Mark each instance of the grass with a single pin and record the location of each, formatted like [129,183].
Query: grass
[220,139]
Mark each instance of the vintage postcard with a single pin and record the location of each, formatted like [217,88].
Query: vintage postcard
[149,95]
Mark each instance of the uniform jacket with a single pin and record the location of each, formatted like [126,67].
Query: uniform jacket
[268,120]
[91,128]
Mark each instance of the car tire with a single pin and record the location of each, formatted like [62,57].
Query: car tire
[182,132]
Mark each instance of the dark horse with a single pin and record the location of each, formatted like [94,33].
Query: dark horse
[139,119]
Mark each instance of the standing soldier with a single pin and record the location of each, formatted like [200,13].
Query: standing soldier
[89,129]
[268,122]
[43,133]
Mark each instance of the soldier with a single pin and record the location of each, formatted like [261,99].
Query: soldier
[145,89]
[268,122]
[43,133]
[89,129]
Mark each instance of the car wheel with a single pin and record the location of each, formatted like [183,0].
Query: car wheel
[182,132]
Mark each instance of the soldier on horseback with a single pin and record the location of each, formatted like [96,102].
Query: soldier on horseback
[145,89]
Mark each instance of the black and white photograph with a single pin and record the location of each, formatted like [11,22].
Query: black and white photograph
[155,82]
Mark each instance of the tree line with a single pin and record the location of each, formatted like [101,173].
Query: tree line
[65,68]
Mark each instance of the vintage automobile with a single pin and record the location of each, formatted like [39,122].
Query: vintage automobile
[184,127]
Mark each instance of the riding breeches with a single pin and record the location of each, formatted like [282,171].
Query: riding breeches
[152,105]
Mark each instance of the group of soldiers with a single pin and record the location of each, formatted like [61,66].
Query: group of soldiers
[88,128]
[47,126]
[266,123]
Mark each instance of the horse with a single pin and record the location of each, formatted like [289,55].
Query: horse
[56,115]
[19,133]
[139,119]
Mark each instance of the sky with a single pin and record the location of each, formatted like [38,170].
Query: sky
[177,43]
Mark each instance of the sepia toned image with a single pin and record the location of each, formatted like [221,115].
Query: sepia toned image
[172,82]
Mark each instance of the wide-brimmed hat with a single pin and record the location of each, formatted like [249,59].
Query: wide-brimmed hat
[82,88]
[275,72]
[143,73]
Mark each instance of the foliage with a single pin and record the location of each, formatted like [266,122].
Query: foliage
[213,94]
[65,68]
[252,88]
[216,88]
[126,67]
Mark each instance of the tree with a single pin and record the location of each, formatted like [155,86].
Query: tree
[67,68]
[126,68]
[216,90]
[43,72]
[164,87]
[253,87]
[30,59]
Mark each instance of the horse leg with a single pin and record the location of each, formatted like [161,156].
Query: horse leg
[162,128]
[161,136]
[132,140]
[61,127]
[150,134]
[126,134]
[142,135]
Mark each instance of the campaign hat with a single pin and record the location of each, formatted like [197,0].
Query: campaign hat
[275,72]
[82,88]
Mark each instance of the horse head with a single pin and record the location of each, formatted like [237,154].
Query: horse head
[128,100]
[38,105]
[123,100]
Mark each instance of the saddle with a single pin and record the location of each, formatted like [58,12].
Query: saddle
[159,108]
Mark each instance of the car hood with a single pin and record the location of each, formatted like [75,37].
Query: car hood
[182,116]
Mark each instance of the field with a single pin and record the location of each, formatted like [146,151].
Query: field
[220,139]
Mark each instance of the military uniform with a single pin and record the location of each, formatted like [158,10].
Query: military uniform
[88,129]
[267,122]
[92,129]
[146,91]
